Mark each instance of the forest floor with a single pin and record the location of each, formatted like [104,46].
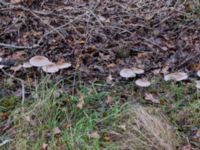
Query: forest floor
[90,106]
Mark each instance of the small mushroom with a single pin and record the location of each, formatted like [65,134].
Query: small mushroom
[27,65]
[137,70]
[142,82]
[2,66]
[50,68]
[198,73]
[63,65]
[177,76]
[39,61]
[198,84]
[127,73]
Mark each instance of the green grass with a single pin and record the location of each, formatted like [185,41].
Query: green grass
[48,112]
[33,124]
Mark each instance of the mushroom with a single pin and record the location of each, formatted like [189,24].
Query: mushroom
[198,84]
[142,82]
[177,76]
[39,61]
[63,65]
[137,70]
[198,73]
[50,68]
[127,73]
[2,66]
[27,65]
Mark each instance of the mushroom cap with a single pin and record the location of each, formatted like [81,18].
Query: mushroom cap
[198,84]
[177,76]
[127,73]
[2,66]
[142,82]
[39,61]
[27,65]
[137,70]
[50,68]
[198,73]
[63,65]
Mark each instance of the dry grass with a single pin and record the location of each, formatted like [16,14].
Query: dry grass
[147,130]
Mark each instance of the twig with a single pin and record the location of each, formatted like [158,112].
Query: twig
[4,142]
[17,46]
[18,79]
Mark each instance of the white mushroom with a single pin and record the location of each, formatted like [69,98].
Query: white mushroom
[27,65]
[137,70]
[63,65]
[142,83]
[50,68]
[198,73]
[198,84]
[177,76]
[39,61]
[2,66]
[127,73]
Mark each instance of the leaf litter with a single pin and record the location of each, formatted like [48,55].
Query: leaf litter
[102,43]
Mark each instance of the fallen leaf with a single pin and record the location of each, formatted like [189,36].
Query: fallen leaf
[94,135]
[186,147]
[109,79]
[81,102]
[151,98]
[56,131]
[44,146]
[109,100]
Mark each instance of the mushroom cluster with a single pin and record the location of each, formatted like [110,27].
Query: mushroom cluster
[176,76]
[47,66]
[131,73]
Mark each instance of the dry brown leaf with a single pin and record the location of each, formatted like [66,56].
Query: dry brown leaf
[109,79]
[151,98]
[44,146]
[109,100]
[56,131]
[15,1]
[94,135]
[81,102]
[187,147]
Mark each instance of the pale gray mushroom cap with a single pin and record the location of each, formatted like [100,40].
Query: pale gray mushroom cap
[50,68]
[142,83]
[198,84]
[39,61]
[137,70]
[27,65]
[64,65]
[177,76]
[127,73]
[2,66]
[198,73]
